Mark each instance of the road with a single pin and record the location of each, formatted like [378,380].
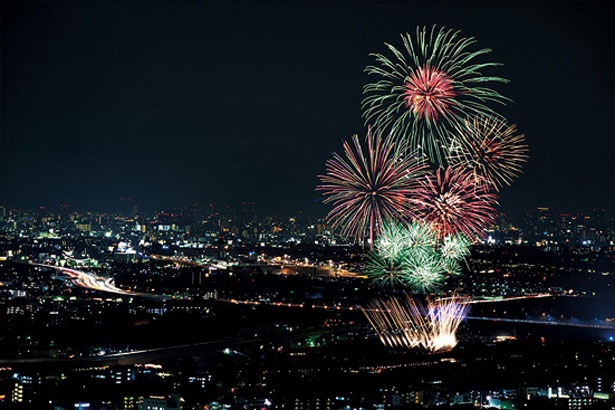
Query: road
[93,282]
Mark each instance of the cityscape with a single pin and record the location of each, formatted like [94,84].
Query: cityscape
[306,205]
[204,308]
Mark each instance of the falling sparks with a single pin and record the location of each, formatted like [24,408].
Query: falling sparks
[409,324]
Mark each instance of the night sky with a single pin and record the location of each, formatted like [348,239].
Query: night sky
[174,103]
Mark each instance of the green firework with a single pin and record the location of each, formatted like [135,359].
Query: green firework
[426,88]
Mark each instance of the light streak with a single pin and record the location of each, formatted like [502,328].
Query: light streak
[93,282]
[431,327]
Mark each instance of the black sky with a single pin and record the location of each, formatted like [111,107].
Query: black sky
[173,103]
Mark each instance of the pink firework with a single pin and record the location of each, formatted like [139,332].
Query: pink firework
[428,93]
[369,187]
[454,203]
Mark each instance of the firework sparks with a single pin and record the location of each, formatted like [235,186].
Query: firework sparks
[369,187]
[454,204]
[406,255]
[391,271]
[428,92]
[398,239]
[411,255]
[425,271]
[428,87]
[454,248]
[489,148]
[413,325]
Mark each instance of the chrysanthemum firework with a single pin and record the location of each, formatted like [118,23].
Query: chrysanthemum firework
[427,87]
[425,271]
[454,249]
[369,186]
[490,148]
[387,271]
[454,203]
[407,255]
[399,239]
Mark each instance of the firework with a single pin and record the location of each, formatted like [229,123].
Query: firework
[398,239]
[391,271]
[428,87]
[424,271]
[411,324]
[411,255]
[489,148]
[406,255]
[454,248]
[369,186]
[454,203]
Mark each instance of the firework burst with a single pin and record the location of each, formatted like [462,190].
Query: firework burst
[424,271]
[369,186]
[490,148]
[400,239]
[454,249]
[454,204]
[410,324]
[428,87]
[387,271]
[428,92]
[411,255]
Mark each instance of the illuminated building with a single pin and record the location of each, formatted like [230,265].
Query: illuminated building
[172,402]
[132,402]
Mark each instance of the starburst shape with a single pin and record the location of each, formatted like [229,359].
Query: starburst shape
[454,204]
[489,148]
[369,186]
[422,90]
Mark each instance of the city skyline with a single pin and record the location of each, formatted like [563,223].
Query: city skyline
[229,103]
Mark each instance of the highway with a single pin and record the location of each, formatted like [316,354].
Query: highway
[93,282]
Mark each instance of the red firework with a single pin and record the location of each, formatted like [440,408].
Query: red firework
[428,93]
[454,203]
[369,186]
